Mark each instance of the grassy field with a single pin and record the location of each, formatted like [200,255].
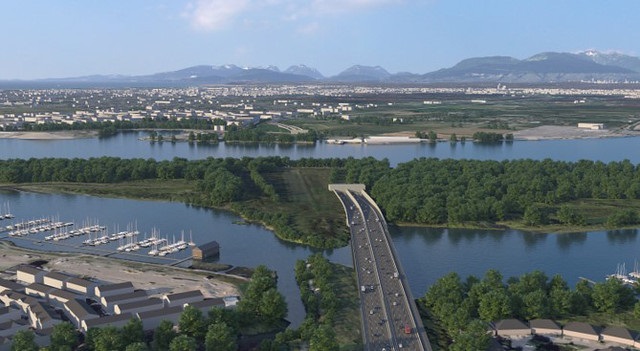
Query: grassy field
[304,195]
[457,114]
[347,328]
[596,211]
[171,190]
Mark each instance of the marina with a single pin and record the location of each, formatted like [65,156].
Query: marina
[632,278]
[51,229]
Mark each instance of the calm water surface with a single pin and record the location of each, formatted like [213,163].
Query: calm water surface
[128,145]
[426,254]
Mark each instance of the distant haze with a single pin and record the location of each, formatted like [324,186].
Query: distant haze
[547,67]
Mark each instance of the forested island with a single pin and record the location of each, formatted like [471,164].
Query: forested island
[290,196]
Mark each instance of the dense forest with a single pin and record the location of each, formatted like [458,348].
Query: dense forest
[460,309]
[457,191]
[422,191]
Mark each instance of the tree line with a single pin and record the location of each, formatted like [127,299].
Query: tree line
[422,191]
[461,309]
[433,191]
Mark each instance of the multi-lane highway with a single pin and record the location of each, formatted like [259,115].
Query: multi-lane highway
[390,320]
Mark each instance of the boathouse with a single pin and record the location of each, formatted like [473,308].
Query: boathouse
[81,286]
[511,327]
[581,330]
[545,327]
[618,335]
[10,285]
[138,306]
[206,305]
[114,289]
[151,319]
[205,251]
[30,274]
[179,299]
[116,320]
[79,311]
[56,280]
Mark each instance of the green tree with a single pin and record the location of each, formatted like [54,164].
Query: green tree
[623,218]
[474,338]
[220,337]
[108,339]
[183,343]
[494,305]
[433,137]
[192,323]
[63,337]
[90,338]
[611,296]
[323,339]
[536,214]
[536,305]
[24,340]
[273,306]
[132,332]
[137,346]
[163,335]
[568,215]
[636,310]
[453,138]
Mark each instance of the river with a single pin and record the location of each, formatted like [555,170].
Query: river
[128,145]
[425,253]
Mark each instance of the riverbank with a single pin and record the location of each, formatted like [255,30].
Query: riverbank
[543,132]
[152,277]
[54,135]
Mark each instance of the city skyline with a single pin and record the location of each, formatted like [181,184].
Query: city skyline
[65,39]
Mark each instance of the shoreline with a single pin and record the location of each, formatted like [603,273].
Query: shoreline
[50,135]
[540,133]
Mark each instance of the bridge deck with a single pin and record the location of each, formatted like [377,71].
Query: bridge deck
[390,318]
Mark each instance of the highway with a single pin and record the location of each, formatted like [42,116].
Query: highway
[390,320]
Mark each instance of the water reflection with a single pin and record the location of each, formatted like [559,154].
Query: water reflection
[566,240]
[532,240]
[622,236]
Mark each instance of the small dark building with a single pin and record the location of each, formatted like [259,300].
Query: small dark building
[204,251]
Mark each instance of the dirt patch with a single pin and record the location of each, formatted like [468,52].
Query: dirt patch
[60,135]
[157,279]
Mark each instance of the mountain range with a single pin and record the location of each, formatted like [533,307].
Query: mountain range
[548,67]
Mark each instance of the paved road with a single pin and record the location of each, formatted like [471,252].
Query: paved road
[389,316]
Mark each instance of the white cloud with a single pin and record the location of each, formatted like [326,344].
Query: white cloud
[340,6]
[210,15]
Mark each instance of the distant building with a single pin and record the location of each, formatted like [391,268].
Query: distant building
[592,126]
[204,251]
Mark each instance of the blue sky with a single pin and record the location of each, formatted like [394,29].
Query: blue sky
[63,38]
